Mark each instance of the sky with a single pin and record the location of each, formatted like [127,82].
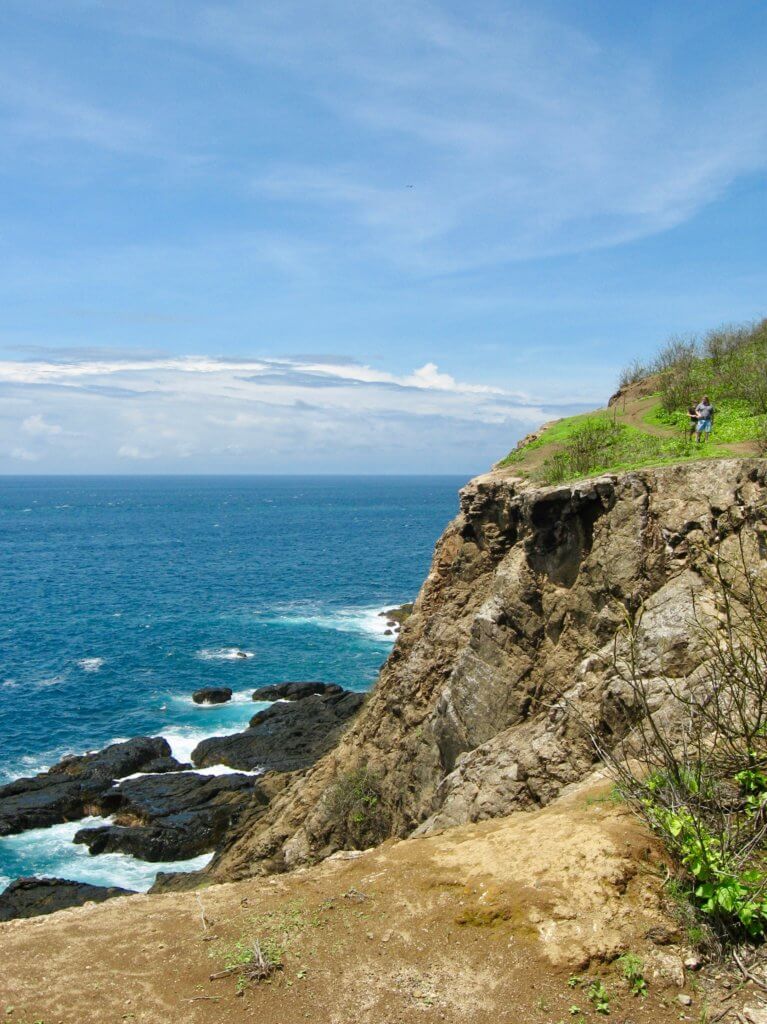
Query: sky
[356,237]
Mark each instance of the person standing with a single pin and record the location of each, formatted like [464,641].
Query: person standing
[705,413]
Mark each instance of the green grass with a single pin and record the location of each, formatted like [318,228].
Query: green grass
[594,443]
[734,421]
[558,433]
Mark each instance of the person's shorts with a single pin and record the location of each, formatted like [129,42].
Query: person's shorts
[703,427]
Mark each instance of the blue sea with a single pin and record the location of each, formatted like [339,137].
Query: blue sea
[120,596]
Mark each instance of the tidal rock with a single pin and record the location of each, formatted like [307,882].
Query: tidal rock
[170,817]
[32,897]
[72,787]
[294,691]
[396,616]
[285,737]
[212,695]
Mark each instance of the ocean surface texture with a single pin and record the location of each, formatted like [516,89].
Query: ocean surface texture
[120,596]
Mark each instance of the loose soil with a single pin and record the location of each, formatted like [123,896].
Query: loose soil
[483,923]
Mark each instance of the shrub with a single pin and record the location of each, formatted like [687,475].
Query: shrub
[696,770]
[632,373]
[357,805]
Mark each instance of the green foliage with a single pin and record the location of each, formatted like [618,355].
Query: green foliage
[598,995]
[632,968]
[727,364]
[357,804]
[701,784]
[598,444]
[734,421]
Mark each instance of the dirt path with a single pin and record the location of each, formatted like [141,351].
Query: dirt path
[484,923]
[631,408]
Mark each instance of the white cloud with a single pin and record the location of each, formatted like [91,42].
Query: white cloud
[36,426]
[24,455]
[217,414]
[130,451]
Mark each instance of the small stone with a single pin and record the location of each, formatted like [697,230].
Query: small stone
[684,999]
[755,1014]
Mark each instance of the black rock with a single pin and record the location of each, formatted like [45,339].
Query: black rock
[71,788]
[171,817]
[294,691]
[212,695]
[285,737]
[32,897]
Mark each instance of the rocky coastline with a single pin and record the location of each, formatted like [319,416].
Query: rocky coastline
[161,809]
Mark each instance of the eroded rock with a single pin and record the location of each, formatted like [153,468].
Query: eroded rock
[71,788]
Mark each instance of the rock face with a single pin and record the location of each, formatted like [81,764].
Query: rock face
[286,737]
[32,897]
[171,817]
[294,691]
[71,788]
[472,716]
[212,695]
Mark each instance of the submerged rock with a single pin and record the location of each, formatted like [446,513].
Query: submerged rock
[171,817]
[32,897]
[294,691]
[71,788]
[212,695]
[285,737]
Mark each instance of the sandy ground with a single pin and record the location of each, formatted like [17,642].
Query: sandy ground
[482,923]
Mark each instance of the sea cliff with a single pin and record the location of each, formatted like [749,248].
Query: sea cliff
[505,665]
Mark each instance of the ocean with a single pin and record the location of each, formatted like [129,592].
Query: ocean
[119,596]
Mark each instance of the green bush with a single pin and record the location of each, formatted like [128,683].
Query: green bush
[598,444]
[357,805]
[696,771]
[727,364]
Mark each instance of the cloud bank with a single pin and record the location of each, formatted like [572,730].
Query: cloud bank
[203,414]
[200,413]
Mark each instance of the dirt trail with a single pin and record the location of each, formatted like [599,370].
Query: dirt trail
[484,922]
[630,408]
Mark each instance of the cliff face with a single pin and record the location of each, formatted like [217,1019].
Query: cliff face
[472,716]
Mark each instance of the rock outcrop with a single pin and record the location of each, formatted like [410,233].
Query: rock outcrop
[294,691]
[481,707]
[285,737]
[171,817]
[34,897]
[212,695]
[71,788]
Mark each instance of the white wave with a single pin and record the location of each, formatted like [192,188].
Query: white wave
[224,654]
[183,739]
[51,681]
[370,622]
[50,851]
[214,769]
[90,664]
[9,684]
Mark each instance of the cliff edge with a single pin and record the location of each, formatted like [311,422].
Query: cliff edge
[483,706]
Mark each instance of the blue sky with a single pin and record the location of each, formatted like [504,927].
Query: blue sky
[360,237]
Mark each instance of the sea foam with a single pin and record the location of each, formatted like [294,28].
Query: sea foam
[51,852]
[224,654]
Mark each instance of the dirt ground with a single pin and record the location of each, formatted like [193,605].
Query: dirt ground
[501,922]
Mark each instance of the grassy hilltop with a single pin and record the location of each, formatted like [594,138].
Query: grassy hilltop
[646,423]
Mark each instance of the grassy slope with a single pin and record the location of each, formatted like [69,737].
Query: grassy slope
[647,437]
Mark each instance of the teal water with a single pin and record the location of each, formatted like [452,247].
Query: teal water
[120,596]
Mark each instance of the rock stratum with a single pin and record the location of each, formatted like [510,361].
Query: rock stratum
[481,708]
